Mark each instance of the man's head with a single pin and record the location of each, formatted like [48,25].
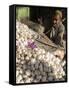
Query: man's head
[57,18]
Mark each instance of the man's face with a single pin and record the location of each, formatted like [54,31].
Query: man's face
[56,20]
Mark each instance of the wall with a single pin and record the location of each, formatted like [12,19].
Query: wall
[4,45]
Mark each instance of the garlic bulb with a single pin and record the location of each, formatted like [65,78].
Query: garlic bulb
[33,63]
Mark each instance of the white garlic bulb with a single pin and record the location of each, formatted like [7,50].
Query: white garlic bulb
[35,64]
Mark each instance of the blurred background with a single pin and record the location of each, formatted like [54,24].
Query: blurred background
[41,15]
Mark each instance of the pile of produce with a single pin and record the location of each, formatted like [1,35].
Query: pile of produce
[34,64]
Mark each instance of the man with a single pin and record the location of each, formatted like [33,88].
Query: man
[57,31]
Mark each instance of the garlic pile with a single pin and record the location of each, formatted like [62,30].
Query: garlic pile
[35,64]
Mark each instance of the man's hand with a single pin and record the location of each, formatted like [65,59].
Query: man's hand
[59,53]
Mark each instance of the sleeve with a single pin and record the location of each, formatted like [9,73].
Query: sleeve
[60,34]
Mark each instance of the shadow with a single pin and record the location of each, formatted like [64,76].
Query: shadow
[7,82]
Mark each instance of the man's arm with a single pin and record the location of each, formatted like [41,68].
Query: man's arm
[61,34]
